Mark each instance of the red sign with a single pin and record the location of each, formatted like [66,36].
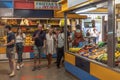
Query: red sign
[24,5]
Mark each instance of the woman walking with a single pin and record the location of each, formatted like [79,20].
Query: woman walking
[50,46]
[20,36]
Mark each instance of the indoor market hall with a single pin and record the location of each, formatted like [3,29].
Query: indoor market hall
[59,39]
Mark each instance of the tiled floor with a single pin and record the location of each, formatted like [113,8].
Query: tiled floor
[27,74]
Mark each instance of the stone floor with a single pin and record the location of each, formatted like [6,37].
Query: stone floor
[26,72]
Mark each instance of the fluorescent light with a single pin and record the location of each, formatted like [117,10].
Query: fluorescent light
[86,10]
[94,14]
[117,1]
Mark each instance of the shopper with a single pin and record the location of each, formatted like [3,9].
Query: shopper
[20,37]
[95,35]
[88,34]
[60,47]
[10,49]
[50,46]
[39,38]
[56,36]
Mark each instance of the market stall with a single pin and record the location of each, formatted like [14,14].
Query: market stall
[26,15]
[94,61]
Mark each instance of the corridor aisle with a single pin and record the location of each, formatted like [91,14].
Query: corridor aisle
[26,73]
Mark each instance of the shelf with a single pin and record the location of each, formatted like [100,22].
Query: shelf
[24,32]
[24,26]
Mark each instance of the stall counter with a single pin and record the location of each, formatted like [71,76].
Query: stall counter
[87,69]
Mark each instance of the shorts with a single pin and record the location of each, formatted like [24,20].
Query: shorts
[10,53]
[37,51]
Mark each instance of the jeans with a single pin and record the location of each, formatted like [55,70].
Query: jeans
[95,40]
[19,49]
[60,54]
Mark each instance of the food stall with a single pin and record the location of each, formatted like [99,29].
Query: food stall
[27,14]
[99,61]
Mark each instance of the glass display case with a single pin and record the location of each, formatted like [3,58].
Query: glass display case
[87,41]
[117,31]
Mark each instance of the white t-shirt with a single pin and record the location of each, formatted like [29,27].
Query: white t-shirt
[20,39]
[95,34]
[60,40]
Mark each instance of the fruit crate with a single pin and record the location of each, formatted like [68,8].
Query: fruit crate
[2,50]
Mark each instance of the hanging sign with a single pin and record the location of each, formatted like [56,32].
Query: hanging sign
[23,5]
[6,12]
[46,5]
[72,3]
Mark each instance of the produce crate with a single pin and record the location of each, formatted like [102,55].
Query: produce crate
[2,50]
[28,49]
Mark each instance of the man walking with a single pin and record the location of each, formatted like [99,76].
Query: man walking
[10,49]
[39,38]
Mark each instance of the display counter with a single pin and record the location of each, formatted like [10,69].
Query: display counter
[87,69]
[27,53]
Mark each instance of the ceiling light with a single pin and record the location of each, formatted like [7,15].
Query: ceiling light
[117,1]
[86,10]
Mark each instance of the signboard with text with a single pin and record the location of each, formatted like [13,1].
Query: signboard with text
[23,5]
[6,12]
[46,5]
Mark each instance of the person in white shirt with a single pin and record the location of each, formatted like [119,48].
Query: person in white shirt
[60,47]
[95,34]
[50,45]
[20,37]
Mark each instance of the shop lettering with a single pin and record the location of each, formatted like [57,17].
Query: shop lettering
[46,5]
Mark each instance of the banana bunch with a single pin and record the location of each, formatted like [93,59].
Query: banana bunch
[74,49]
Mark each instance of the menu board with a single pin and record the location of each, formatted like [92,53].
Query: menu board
[46,5]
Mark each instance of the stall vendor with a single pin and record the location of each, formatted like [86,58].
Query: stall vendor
[78,40]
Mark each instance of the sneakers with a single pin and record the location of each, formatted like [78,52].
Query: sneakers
[58,66]
[34,68]
[21,65]
[48,66]
[18,67]
[12,74]
[38,67]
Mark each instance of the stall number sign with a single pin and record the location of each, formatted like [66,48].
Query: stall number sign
[47,5]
